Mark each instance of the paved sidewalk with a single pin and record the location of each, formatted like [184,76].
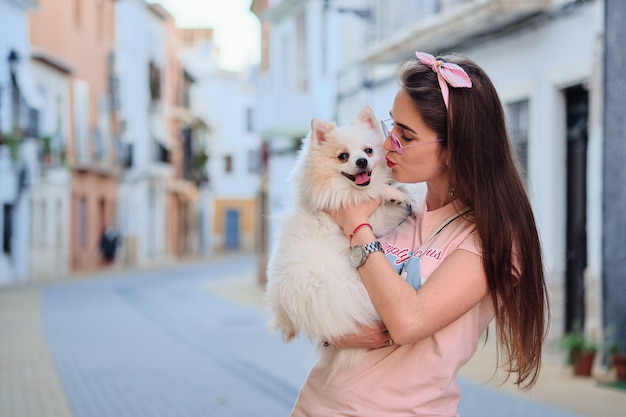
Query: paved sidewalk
[556,386]
[55,362]
[29,386]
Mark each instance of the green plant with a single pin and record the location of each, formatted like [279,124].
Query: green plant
[63,157]
[46,145]
[575,344]
[13,141]
[610,344]
[199,160]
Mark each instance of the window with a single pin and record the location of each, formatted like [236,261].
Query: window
[32,125]
[249,115]
[82,222]
[254,161]
[518,121]
[81,122]
[285,74]
[39,229]
[228,163]
[7,234]
[15,101]
[301,53]
[154,74]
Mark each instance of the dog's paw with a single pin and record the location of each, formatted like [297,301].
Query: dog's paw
[288,336]
[287,331]
[397,202]
[396,196]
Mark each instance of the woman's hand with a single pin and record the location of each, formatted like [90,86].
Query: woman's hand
[370,337]
[351,216]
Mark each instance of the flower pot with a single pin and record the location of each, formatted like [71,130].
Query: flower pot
[619,363]
[583,363]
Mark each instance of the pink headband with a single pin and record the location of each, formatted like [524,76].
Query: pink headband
[447,74]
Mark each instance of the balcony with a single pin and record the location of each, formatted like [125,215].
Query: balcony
[448,25]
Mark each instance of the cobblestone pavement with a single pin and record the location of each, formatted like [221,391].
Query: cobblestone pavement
[191,341]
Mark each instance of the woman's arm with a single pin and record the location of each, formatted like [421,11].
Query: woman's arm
[456,286]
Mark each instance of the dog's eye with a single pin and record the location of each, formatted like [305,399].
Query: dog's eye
[343,156]
[369,151]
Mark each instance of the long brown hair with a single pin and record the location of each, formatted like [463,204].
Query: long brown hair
[484,176]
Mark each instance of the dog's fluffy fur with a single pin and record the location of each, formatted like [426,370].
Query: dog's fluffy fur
[312,287]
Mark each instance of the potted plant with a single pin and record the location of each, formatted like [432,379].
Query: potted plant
[616,358]
[581,352]
[619,363]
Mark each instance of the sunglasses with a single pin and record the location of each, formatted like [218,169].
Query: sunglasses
[395,142]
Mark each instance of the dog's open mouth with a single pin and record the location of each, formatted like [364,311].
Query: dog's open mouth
[361,179]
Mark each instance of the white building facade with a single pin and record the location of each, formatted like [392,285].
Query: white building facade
[224,100]
[328,58]
[50,208]
[307,47]
[19,103]
[141,47]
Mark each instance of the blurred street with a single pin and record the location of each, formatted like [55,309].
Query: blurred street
[191,341]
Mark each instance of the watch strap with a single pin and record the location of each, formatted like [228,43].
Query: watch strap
[366,249]
[372,247]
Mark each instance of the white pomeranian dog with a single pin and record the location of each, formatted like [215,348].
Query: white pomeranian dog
[312,286]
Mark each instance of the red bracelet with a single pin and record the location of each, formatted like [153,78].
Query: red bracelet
[356,229]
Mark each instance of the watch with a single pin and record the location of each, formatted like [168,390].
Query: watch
[359,253]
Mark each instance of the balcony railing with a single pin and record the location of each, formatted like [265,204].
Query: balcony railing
[402,26]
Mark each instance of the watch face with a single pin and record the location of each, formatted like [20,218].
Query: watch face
[357,256]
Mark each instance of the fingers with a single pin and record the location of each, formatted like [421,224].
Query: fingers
[385,339]
[348,217]
[371,337]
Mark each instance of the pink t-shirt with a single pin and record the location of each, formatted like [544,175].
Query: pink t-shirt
[409,380]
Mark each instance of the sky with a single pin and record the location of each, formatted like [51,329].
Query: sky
[235,29]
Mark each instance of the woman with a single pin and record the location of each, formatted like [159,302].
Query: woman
[472,253]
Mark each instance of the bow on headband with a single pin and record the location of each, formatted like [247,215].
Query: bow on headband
[447,74]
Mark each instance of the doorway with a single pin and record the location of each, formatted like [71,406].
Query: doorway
[232,229]
[577,105]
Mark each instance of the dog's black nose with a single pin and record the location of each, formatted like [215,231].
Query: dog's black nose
[361,163]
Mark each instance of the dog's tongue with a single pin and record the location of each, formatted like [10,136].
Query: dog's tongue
[362,178]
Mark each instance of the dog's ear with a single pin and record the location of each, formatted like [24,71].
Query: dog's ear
[320,129]
[367,116]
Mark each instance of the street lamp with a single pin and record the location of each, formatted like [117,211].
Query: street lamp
[13,59]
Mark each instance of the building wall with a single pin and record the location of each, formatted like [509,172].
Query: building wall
[82,33]
[538,61]
[534,55]
[614,196]
[49,241]
[224,101]
[14,194]
[93,202]
[82,37]
[549,58]
[145,217]
[247,216]
[50,211]
[183,236]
